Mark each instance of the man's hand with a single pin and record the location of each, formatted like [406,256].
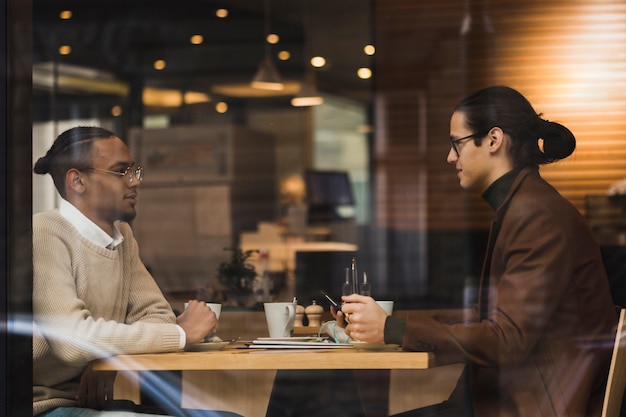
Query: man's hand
[339,317]
[96,388]
[198,320]
[366,319]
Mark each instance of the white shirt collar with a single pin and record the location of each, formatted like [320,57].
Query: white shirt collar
[89,229]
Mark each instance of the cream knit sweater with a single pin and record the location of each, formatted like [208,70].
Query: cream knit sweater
[89,302]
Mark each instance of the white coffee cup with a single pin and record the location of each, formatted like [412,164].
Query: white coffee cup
[280,318]
[387,306]
[215,307]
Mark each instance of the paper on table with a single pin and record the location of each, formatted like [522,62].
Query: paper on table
[299,343]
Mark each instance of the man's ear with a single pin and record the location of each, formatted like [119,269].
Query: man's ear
[74,181]
[496,139]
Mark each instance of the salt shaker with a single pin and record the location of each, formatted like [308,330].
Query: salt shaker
[314,314]
[299,316]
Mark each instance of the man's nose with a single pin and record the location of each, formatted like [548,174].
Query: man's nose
[134,182]
[452,158]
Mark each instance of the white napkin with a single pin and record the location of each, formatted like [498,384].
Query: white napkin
[337,333]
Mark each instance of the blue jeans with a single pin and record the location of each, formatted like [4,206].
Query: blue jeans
[129,409]
[88,412]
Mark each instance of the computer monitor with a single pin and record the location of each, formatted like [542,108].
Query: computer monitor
[329,196]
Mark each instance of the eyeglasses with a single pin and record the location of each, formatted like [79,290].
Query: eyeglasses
[455,142]
[136,173]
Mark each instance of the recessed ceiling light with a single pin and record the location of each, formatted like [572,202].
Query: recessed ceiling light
[364,73]
[318,61]
[65,50]
[284,55]
[221,107]
[221,13]
[369,49]
[159,64]
[196,39]
[65,14]
[272,38]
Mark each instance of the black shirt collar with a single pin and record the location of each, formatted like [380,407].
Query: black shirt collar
[497,191]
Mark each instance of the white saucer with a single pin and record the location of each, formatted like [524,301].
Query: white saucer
[206,346]
[374,346]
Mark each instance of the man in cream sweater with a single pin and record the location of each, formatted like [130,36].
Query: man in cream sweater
[92,295]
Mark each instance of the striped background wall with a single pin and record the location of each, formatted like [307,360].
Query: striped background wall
[568,57]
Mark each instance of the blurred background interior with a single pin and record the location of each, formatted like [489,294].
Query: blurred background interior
[210,97]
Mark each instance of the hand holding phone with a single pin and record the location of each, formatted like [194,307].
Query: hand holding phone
[335,305]
[332,302]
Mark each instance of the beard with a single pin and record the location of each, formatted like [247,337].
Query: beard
[128,216]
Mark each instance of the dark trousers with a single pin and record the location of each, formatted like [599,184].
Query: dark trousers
[458,405]
[319,393]
[444,409]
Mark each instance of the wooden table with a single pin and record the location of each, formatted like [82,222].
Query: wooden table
[208,377]
[267,359]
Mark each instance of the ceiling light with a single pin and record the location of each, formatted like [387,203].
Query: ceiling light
[65,14]
[272,38]
[364,73]
[65,50]
[159,64]
[318,61]
[267,76]
[116,111]
[284,55]
[196,39]
[73,79]
[193,97]
[221,107]
[369,50]
[160,97]
[245,90]
[308,95]
[221,13]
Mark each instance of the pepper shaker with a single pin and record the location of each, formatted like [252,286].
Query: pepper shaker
[314,314]
[299,316]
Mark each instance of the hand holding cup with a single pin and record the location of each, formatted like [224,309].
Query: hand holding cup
[198,320]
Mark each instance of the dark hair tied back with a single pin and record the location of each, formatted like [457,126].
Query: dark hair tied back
[533,140]
[73,136]
[71,149]
[558,142]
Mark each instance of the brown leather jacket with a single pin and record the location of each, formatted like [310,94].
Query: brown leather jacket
[540,341]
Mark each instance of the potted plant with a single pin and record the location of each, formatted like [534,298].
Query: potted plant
[238,275]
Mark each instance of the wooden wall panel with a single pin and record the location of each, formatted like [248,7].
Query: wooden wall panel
[568,57]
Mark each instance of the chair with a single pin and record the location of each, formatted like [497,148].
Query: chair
[617,372]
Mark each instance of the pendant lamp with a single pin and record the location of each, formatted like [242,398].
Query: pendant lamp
[267,76]
[308,94]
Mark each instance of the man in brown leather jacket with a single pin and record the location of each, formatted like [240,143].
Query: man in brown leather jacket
[539,343]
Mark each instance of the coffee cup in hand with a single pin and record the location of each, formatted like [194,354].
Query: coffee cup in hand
[215,307]
[387,306]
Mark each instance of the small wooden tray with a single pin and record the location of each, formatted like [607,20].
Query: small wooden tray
[306,331]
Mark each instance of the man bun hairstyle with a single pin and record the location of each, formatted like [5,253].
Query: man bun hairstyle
[71,149]
[558,142]
[534,140]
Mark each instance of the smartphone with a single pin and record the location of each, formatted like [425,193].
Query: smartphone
[332,302]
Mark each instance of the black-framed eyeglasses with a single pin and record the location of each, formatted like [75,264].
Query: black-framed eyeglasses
[133,171]
[455,142]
